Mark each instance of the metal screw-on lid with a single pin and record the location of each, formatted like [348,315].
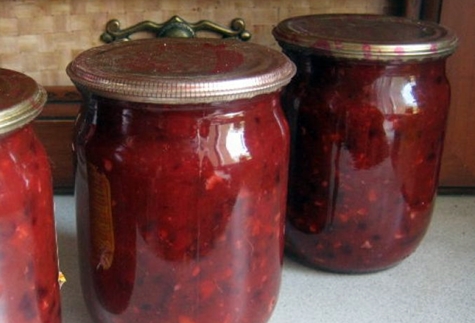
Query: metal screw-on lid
[21,100]
[177,70]
[371,37]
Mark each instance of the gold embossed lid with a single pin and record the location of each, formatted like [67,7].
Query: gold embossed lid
[21,100]
[371,37]
[178,70]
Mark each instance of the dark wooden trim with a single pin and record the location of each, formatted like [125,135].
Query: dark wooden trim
[423,9]
[54,126]
[458,161]
[413,9]
[455,190]
[62,94]
[431,10]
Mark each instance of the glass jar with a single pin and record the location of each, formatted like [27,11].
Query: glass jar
[181,181]
[367,112]
[29,288]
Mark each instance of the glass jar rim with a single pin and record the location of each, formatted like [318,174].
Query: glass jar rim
[21,100]
[366,36]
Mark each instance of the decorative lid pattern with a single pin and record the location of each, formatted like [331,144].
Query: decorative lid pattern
[178,71]
[371,37]
[21,100]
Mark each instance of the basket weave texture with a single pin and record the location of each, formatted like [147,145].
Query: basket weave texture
[39,38]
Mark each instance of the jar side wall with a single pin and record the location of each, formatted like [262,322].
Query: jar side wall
[196,210]
[367,140]
[29,263]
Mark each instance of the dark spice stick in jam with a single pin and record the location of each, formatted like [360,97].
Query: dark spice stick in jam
[367,112]
[181,197]
[29,288]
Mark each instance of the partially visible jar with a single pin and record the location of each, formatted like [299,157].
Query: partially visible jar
[181,181]
[367,112]
[29,288]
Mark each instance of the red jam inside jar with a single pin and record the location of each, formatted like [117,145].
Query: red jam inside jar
[180,206]
[29,288]
[367,129]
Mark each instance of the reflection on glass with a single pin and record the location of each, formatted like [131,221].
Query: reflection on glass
[395,95]
[225,144]
[408,95]
[235,143]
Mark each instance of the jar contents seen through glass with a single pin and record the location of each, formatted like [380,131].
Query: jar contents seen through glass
[367,112]
[181,181]
[29,288]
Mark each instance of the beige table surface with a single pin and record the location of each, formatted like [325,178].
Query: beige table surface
[435,284]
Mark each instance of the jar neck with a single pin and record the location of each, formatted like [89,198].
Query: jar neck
[132,117]
[18,140]
[310,64]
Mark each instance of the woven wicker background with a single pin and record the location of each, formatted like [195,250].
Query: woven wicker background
[39,38]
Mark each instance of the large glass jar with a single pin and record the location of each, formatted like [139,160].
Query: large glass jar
[367,112]
[181,181]
[29,288]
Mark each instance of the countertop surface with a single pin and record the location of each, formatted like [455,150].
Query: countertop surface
[435,284]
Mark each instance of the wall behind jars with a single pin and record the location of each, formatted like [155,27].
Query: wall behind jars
[39,38]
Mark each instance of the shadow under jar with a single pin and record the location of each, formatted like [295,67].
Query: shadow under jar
[367,112]
[181,180]
[29,287]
